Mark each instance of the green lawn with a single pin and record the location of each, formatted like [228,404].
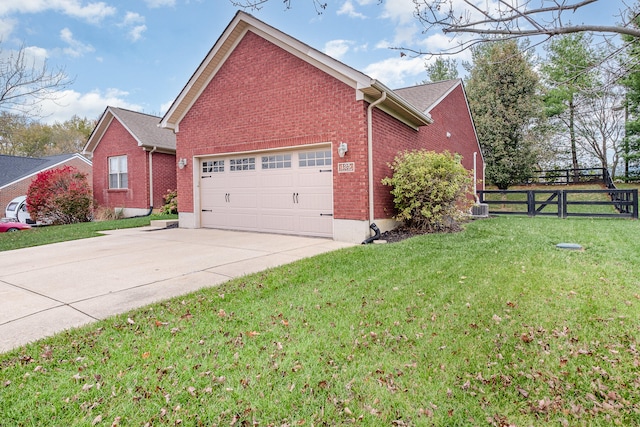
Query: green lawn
[490,326]
[60,233]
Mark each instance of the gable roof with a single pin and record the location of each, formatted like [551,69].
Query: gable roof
[143,127]
[16,168]
[427,96]
[364,86]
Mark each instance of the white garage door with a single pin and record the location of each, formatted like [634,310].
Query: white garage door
[275,192]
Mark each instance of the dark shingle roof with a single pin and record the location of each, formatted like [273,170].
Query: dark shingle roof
[14,168]
[145,128]
[426,96]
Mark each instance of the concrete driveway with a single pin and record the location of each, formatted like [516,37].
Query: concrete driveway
[47,289]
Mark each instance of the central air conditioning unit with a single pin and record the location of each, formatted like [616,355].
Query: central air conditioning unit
[480,210]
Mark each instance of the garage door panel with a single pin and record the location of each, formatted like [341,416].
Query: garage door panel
[278,222]
[316,225]
[285,192]
[280,200]
[239,219]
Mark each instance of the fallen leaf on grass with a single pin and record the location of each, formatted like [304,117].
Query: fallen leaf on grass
[130,321]
[96,420]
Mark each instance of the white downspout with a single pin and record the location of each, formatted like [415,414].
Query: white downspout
[370,151]
[475,178]
[151,177]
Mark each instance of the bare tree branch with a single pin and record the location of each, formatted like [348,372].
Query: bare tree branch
[24,84]
[527,18]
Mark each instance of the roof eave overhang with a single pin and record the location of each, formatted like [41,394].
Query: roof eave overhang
[156,149]
[98,132]
[396,106]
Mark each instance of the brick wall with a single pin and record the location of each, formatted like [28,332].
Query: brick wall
[117,141]
[164,176]
[20,188]
[263,97]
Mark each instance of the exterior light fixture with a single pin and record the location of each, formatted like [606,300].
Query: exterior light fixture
[182,163]
[342,149]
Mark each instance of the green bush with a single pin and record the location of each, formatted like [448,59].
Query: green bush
[431,190]
[170,202]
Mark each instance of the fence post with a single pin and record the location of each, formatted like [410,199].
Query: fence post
[634,196]
[560,203]
[564,204]
[531,203]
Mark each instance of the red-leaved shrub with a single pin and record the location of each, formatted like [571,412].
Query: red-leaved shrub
[60,196]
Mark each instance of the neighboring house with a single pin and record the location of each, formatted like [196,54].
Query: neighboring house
[17,173]
[264,121]
[134,161]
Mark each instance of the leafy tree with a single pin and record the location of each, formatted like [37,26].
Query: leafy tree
[503,92]
[442,69]
[22,137]
[60,196]
[429,189]
[9,140]
[631,105]
[571,77]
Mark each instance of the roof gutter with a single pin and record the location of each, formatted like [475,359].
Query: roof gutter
[421,117]
[370,149]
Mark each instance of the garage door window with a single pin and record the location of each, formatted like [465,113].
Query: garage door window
[246,164]
[213,166]
[279,161]
[315,158]
[118,177]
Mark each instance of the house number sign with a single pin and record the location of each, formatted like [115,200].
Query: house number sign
[346,167]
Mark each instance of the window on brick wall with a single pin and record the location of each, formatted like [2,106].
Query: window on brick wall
[118,177]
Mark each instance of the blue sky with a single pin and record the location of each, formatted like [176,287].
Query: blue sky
[138,54]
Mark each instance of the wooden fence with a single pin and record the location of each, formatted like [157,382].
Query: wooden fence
[612,203]
[569,176]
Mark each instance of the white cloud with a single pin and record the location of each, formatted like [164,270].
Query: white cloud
[37,54]
[160,3]
[75,48]
[132,18]
[400,11]
[135,33]
[337,48]
[349,10]
[165,107]
[398,71]
[136,24]
[90,105]
[91,12]
[6,28]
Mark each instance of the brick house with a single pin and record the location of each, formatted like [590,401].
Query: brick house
[279,137]
[134,161]
[17,173]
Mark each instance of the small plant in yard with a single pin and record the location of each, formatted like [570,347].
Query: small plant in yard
[430,190]
[170,202]
[102,213]
[60,196]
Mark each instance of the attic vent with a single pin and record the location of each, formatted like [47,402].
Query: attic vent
[480,210]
